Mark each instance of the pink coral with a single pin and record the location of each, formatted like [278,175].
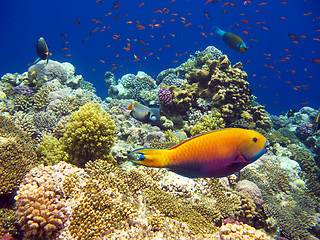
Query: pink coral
[239,231]
[165,97]
[251,190]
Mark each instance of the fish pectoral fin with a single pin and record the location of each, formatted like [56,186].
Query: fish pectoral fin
[240,159]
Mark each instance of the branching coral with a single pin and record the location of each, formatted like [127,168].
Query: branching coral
[16,155]
[89,134]
[207,122]
[50,151]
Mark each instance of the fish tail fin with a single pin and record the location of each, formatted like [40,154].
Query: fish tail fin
[130,107]
[151,157]
[218,31]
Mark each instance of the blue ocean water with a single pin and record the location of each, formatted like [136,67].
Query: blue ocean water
[280,70]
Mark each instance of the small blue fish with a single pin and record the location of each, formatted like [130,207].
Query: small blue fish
[232,40]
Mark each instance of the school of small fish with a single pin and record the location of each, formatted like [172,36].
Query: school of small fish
[155,27]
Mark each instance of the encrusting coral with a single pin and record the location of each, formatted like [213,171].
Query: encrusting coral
[89,134]
[16,155]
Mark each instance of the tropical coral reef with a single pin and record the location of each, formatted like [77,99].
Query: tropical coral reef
[65,169]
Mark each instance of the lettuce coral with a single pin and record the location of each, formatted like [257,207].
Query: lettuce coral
[89,134]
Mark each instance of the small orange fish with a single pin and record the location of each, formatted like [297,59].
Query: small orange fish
[244,20]
[114,68]
[140,5]
[63,49]
[245,32]
[68,55]
[187,25]
[262,3]
[102,61]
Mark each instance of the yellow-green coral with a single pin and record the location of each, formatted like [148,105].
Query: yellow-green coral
[89,134]
[7,222]
[207,123]
[100,210]
[16,156]
[50,151]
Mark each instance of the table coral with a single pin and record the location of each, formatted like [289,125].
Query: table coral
[89,134]
[16,155]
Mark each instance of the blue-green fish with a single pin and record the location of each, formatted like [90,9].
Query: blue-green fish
[145,114]
[232,40]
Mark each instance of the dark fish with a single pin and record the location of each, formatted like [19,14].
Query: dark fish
[315,60]
[63,35]
[293,37]
[77,21]
[206,14]
[93,30]
[225,11]
[116,5]
[116,17]
[316,123]
[232,40]
[42,51]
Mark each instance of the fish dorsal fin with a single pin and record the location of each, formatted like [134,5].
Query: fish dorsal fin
[183,142]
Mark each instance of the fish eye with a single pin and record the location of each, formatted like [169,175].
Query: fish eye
[255,139]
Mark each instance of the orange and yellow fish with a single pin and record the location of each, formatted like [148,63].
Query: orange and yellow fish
[216,153]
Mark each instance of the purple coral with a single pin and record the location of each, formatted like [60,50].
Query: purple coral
[23,90]
[165,97]
[304,130]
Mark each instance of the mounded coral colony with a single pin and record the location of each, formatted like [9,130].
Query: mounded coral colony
[66,174]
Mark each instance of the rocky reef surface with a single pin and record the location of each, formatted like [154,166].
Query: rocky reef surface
[65,170]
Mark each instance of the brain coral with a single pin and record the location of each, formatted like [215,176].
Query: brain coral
[41,207]
[38,74]
[16,155]
[89,134]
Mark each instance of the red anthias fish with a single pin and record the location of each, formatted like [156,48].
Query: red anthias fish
[217,153]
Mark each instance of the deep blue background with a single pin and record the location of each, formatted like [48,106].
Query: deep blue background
[23,22]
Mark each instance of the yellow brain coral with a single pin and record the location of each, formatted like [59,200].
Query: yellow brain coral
[89,134]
